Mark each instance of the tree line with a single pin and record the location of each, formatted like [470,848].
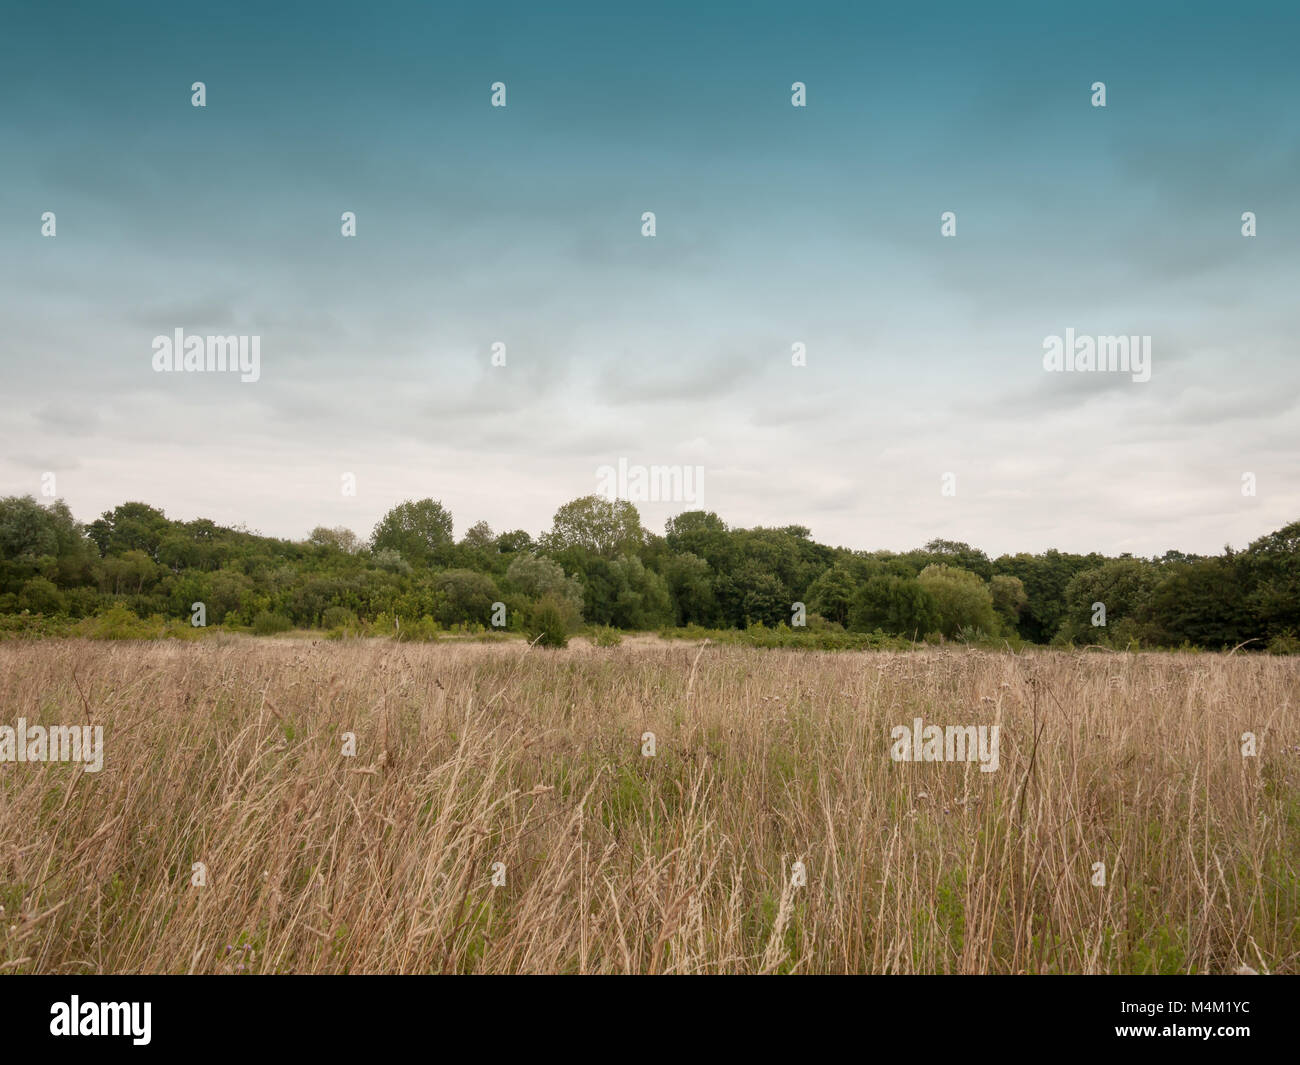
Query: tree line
[597,565]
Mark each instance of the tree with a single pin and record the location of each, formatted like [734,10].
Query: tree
[601,526]
[40,596]
[900,606]
[963,556]
[1270,567]
[465,596]
[29,531]
[641,599]
[479,535]
[692,523]
[1009,600]
[509,543]
[831,594]
[539,577]
[1123,586]
[178,552]
[228,592]
[1044,577]
[602,561]
[549,624]
[338,539]
[690,583]
[703,534]
[130,527]
[390,561]
[26,529]
[752,594]
[962,600]
[420,531]
[1203,604]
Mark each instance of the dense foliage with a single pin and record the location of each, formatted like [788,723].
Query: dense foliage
[598,565]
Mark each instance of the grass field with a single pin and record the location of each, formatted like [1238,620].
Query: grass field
[228,752]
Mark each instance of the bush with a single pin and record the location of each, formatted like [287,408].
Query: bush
[465,596]
[759,635]
[116,623]
[1285,643]
[548,625]
[417,630]
[338,617]
[32,626]
[41,596]
[268,624]
[961,599]
[606,636]
[900,606]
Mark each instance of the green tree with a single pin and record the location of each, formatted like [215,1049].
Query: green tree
[962,600]
[1009,601]
[603,527]
[29,531]
[1044,577]
[419,530]
[900,606]
[831,594]
[539,577]
[1123,586]
[510,543]
[641,598]
[690,583]
[465,596]
[130,527]
[1270,568]
[549,624]
[752,594]
[962,556]
[1204,604]
[337,539]
[40,596]
[479,535]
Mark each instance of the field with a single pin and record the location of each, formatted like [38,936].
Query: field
[477,763]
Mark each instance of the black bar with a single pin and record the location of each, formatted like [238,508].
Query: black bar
[340,1015]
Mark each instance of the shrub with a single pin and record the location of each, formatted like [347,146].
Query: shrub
[465,596]
[1285,643]
[338,617]
[116,623]
[539,577]
[33,626]
[817,623]
[268,624]
[897,605]
[606,636]
[961,599]
[417,630]
[41,596]
[547,624]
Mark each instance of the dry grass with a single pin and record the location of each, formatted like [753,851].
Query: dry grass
[228,752]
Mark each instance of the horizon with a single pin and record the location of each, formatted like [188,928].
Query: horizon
[459,531]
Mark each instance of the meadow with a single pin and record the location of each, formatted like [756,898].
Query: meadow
[500,814]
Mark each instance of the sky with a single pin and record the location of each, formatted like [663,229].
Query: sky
[774,225]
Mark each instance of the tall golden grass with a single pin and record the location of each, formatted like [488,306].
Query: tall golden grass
[228,752]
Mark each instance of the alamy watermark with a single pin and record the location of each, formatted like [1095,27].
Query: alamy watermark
[58,743]
[650,484]
[214,354]
[1088,354]
[75,1017]
[953,743]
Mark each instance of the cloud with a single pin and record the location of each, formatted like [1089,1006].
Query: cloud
[659,382]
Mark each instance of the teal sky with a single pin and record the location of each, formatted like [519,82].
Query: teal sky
[775,225]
